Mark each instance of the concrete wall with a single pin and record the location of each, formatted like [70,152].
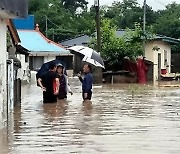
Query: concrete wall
[23,72]
[152,55]
[3,74]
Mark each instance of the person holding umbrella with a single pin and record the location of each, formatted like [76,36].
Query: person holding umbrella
[46,82]
[86,82]
[63,83]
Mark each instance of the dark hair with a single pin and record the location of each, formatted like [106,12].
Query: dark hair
[89,66]
[52,65]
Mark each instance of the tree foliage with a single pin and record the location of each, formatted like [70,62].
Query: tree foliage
[62,20]
[115,48]
[69,18]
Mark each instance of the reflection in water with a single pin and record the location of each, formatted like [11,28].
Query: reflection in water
[114,122]
[4,149]
[55,110]
[87,107]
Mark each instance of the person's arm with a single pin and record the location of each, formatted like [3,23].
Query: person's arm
[41,85]
[80,78]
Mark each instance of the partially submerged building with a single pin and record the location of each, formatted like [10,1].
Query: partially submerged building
[8,10]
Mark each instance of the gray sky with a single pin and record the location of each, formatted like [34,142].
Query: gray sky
[155,4]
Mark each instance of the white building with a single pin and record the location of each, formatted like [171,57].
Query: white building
[158,51]
[8,9]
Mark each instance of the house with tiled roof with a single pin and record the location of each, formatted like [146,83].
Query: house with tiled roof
[41,49]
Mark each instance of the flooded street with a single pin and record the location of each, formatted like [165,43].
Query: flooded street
[123,119]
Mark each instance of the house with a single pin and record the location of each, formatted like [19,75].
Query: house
[41,49]
[14,65]
[158,51]
[8,10]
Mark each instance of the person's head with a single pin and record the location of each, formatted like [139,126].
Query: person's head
[52,67]
[87,68]
[60,68]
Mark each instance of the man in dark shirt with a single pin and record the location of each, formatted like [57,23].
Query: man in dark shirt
[46,84]
[86,82]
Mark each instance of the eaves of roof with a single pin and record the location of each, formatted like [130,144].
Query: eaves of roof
[167,39]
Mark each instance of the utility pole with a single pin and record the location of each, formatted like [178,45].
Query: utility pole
[144,26]
[46,25]
[96,4]
[97,73]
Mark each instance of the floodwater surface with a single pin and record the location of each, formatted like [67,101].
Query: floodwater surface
[127,119]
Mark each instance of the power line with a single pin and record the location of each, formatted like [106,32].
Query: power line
[53,23]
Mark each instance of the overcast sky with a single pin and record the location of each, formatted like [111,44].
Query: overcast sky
[155,4]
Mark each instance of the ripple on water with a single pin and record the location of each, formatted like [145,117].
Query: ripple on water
[127,119]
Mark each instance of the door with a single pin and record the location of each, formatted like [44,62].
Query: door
[159,66]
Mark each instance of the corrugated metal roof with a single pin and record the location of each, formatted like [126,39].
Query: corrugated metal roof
[35,41]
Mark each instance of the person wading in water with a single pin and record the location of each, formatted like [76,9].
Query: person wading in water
[46,83]
[86,82]
[64,87]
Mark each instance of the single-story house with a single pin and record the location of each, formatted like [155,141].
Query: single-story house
[42,49]
[158,50]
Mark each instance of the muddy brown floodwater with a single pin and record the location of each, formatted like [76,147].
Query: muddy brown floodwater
[122,119]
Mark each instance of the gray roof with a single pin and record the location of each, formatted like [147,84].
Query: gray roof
[80,40]
[84,39]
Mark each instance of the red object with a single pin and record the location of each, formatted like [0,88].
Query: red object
[139,68]
[54,86]
[141,71]
[129,65]
[163,71]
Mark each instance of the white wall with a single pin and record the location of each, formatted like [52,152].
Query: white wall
[24,70]
[152,55]
[3,74]
[49,58]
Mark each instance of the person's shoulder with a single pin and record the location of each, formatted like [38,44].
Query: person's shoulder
[89,75]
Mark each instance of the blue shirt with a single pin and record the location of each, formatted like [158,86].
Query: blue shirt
[87,82]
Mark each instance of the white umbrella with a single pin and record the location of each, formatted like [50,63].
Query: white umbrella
[90,55]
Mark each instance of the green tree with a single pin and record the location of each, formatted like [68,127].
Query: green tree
[128,12]
[168,21]
[62,23]
[114,48]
